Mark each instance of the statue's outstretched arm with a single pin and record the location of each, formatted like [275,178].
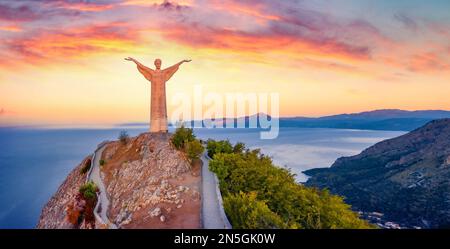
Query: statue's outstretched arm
[170,71]
[146,71]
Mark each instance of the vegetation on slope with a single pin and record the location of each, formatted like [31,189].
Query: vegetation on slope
[89,190]
[86,166]
[184,139]
[81,210]
[258,194]
[124,137]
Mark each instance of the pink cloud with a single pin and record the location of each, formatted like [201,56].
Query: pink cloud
[56,45]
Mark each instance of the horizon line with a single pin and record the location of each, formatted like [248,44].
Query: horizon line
[144,123]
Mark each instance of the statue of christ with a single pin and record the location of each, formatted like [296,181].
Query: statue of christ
[158,78]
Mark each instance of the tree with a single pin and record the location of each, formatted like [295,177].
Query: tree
[213,147]
[123,137]
[194,149]
[181,136]
[239,147]
[247,212]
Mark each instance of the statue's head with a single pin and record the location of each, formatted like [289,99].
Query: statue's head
[158,63]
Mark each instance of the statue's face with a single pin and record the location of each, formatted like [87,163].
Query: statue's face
[158,64]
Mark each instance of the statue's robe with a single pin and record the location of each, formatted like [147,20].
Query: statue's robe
[158,107]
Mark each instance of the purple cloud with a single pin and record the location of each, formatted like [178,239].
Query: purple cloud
[408,22]
[20,13]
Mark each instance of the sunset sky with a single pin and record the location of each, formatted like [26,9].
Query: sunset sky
[61,61]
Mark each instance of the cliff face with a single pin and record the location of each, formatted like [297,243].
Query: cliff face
[54,212]
[148,182]
[407,178]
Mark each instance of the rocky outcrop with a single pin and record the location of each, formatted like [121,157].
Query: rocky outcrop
[148,182]
[54,213]
[406,178]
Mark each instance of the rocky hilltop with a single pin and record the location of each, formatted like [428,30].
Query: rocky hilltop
[406,178]
[148,182]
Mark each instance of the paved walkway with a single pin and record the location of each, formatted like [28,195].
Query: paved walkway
[103,202]
[212,215]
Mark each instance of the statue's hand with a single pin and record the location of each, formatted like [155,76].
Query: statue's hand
[129,59]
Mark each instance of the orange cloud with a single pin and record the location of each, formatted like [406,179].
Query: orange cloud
[428,62]
[4,112]
[82,6]
[254,9]
[76,42]
[11,28]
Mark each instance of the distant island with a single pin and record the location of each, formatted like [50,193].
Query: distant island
[386,119]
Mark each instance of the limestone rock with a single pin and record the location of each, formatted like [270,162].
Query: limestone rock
[155,212]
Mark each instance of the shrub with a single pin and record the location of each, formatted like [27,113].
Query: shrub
[86,166]
[213,147]
[123,137]
[181,136]
[239,148]
[297,205]
[73,214]
[89,190]
[194,149]
[102,162]
[246,212]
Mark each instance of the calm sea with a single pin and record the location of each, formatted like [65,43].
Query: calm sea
[34,162]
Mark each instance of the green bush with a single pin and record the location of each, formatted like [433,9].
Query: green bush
[213,147]
[246,212]
[181,136]
[297,205]
[123,137]
[194,149]
[102,162]
[89,190]
[239,148]
[86,167]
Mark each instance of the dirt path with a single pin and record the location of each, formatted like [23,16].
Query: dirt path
[103,202]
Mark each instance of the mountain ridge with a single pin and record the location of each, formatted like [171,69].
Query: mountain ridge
[407,178]
[381,119]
